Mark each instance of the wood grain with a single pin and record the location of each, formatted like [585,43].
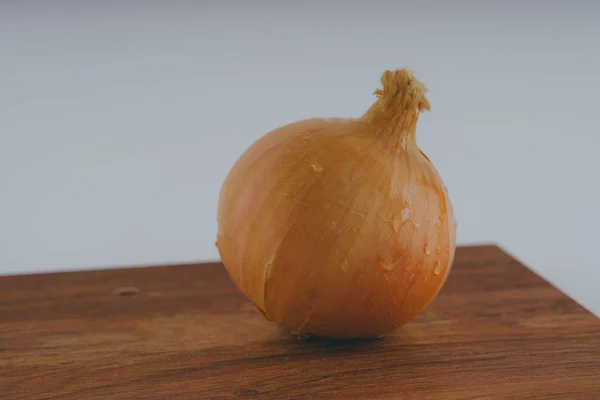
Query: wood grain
[497,330]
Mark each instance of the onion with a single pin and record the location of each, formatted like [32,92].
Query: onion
[340,228]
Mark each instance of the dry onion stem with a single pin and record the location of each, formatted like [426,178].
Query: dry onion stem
[340,227]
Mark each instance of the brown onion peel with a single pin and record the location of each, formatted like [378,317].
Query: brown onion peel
[340,228]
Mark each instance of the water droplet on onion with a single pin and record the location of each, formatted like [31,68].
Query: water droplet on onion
[426,249]
[438,268]
[385,265]
[316,166]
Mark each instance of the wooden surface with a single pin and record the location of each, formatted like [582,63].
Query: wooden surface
[497,330]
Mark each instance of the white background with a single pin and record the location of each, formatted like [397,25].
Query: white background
[119,120]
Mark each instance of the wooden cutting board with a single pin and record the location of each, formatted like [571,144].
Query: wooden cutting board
[497,330]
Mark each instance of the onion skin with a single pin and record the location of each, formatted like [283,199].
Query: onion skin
[340,228]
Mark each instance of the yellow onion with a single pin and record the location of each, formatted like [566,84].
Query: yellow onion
[340,228]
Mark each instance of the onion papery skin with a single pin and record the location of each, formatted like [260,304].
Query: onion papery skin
[340,228]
